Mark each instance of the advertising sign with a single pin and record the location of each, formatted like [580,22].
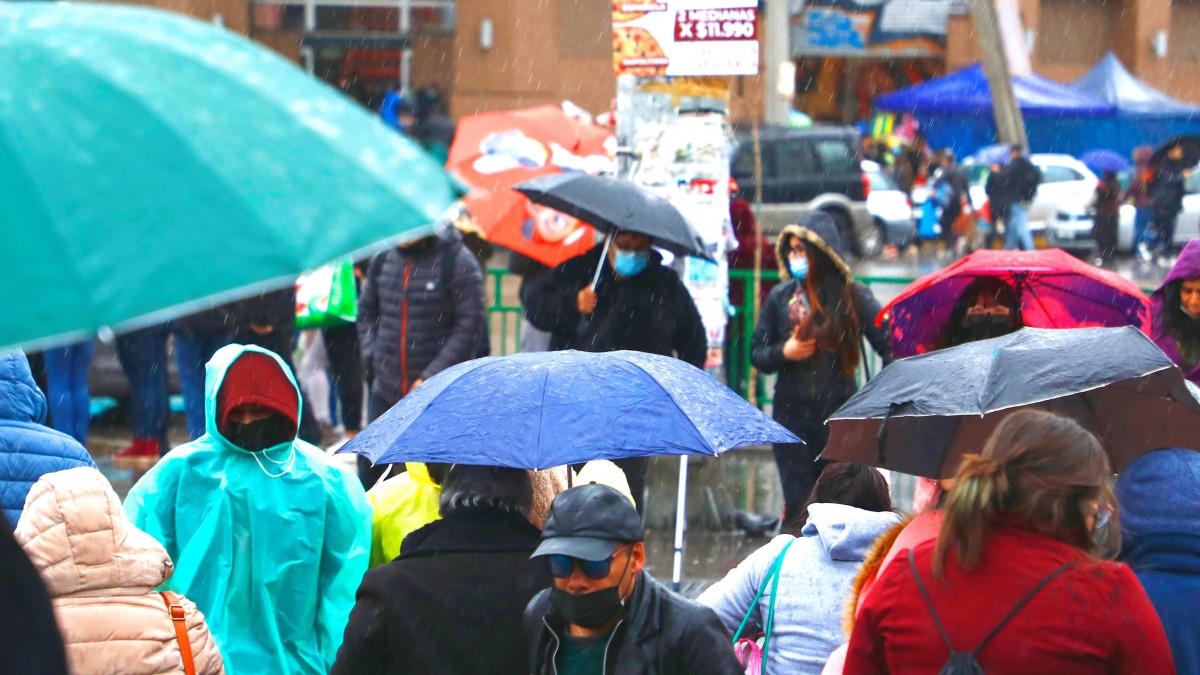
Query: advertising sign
[685,37]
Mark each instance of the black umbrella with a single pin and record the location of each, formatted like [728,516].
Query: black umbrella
[611,204]
[922,414]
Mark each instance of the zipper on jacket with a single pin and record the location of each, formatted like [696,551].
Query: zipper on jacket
[404,333]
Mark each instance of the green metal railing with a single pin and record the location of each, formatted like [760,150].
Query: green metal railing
[505,324]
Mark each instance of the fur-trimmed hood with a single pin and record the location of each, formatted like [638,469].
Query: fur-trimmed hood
[817,230]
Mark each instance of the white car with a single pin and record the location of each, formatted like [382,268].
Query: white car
[1072,226]
[889,206]
[1066,184]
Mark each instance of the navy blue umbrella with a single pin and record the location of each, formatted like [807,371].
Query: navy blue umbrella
[547,409]
[1105,160]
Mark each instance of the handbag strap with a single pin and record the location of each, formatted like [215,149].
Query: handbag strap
[1008,617]
[179,619]
[772,580]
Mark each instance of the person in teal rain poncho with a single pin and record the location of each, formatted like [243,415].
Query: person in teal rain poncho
[270,539]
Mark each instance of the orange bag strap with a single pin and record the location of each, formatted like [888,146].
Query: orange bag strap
[175,611]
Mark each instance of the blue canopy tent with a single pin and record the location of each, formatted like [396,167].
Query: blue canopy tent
[955,111]
[1145,115]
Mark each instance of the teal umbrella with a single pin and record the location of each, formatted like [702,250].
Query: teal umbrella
[151,164]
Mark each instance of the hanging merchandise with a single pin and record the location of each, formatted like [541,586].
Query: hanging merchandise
[326,297]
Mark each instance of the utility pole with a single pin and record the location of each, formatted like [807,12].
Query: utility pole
[1010,127]
[776,51]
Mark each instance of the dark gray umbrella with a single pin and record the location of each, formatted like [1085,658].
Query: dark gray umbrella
[611,204]
[922,414]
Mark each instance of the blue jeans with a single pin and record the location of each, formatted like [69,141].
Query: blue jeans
[70,405]
[1143,216]
[1017,236]
[194,349]
[143,355]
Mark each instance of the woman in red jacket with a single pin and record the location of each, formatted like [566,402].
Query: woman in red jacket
[1018,533]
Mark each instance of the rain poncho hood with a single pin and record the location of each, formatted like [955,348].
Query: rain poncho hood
[402,505]
[271,546]
[28,449]
[1185,268]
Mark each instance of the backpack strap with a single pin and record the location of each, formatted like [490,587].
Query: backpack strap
[179,619]
[912,563]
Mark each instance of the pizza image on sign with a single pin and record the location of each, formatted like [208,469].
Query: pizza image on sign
[636,52]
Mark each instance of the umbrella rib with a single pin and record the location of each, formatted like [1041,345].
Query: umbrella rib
[675,403]
[541,420]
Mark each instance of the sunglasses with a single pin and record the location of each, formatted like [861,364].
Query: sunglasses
[562,566]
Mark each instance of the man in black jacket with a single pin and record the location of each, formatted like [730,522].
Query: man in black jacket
[639,304]
[420,312]
[1022,178]
[452,601]
[604,615]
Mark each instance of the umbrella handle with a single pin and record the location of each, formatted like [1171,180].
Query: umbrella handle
[603,256]
[881,437]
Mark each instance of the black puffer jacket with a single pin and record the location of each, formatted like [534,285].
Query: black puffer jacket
[410,324]
[813,387]
[662,634]
[651,312]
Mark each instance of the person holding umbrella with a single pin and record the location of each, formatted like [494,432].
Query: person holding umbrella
[635,302]
[1176,310]
[1014,581]
[809,331]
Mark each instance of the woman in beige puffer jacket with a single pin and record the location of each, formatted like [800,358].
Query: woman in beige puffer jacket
[101,572]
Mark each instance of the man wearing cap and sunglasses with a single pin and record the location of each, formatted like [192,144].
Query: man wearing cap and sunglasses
[604,614]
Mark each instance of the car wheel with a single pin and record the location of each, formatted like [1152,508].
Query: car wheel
[851,240]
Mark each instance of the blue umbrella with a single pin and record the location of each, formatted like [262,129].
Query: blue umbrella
[1105,160]
[547,409]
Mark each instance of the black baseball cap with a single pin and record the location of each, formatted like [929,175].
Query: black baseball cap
[589,522]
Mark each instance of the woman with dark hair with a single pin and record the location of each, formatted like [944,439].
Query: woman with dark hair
[1014,581]
[809,332]
[850,508]
[1176,311]
[989,307]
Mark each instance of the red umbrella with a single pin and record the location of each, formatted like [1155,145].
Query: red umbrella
[1056,291]
[494,151]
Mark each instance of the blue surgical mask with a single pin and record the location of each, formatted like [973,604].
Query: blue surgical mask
[798,267]
[631,263]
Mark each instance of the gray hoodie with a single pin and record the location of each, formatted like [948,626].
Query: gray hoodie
[814,585]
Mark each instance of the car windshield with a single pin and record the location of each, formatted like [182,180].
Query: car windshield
[1192,183]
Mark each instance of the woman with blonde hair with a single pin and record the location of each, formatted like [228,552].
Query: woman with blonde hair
[1015,581]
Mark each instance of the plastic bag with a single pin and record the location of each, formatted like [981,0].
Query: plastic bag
[326,297]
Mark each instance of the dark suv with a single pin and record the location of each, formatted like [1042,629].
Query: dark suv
[814,168]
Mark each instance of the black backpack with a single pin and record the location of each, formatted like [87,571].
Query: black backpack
[965,663]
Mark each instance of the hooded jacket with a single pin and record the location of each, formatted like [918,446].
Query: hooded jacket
[269,545]
[28,448]
[815,580]
[651,312]
[661,634]
[416,319]
[1186,268]
[1159,497]
[815,384]
[101,572]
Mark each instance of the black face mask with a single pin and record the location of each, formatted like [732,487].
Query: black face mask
[588,610]
[260,434]
[987,326]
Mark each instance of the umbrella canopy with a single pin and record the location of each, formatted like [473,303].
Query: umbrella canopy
[154,164]
[1056,289]
[547,409]
[494,151]
[922,414]
[992,154]
[611,204]
[1105,160]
